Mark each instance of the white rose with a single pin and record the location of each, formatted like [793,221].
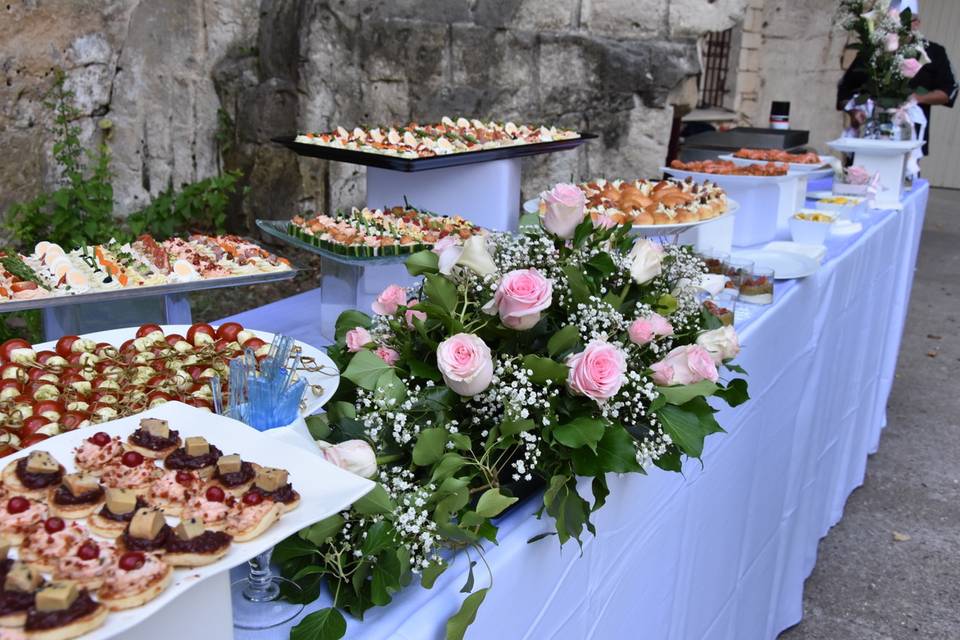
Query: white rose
[473,255]
[355,456]
[645,259]
[722,343]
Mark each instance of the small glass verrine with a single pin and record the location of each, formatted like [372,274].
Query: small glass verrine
[757,286]
[736,269]
[723,306]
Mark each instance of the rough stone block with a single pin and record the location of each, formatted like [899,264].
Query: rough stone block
[624,18]
[526,15]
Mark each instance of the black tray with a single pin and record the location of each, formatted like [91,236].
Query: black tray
[393,163]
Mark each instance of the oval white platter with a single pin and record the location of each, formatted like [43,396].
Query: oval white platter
[324,490]
[326,380]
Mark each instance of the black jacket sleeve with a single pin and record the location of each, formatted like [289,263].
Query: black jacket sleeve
[850,84]
[942,72]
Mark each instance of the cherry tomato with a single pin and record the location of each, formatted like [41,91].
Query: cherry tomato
[10,383]
[253,343]
[11,345]
[131,561]
[65,345]
[185,478]
[43,356]
[158,397]
[200,329]
[215,494]
[89,550]
[252,498]
[13,371]
[73,419]
[100,438]
[199,403]
[132,459]
[35,373]
[127,347]
[54,524]
[105,349]
[33,424]
[174,338]
[228,331]
[33,439]
[46,407]
[17,504]
[147,329]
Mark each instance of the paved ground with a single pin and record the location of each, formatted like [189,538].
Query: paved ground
[891,568]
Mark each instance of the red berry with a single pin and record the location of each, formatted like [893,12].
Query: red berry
[100,438]
[17,504]
[89,550]
[252,498]
[216,494]
[131,560]
[54,524]
[185,478]
[132,459]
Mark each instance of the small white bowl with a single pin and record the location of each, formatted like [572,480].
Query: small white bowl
[808,231]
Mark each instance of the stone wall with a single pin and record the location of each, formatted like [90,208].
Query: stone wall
[193,86]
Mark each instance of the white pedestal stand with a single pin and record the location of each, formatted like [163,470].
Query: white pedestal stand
[884,157]
[486,193]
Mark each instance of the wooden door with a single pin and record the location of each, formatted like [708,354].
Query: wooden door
[940,22]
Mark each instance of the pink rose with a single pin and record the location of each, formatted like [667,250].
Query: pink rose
[891,42]
[355,456]
[598,371]
[645,329]
[357,338]
[387,354]
[389,299]
[466,364]
[410,314]
[685,365]
[444,243]
[909,67]
[858,175]
[565,207]
[520,297]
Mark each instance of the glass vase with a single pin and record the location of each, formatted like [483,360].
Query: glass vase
[885,124]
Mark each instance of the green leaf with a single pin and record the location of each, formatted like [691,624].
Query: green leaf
[577,283]
[666,305]
[580,432]
[318,426]
[429,575]
[513,427]
[376,502]
[423,370]
[365,369]
[545,369]
[339,409]
[685,393]
[492,503]
[735,368]
[449,464]
[325,624]
[441,291]
[390,387]
[602,263]
[614,453]
[583,231]
[423,262]
[468,585]
[689,424]
[458,623]
[670,460]
[600,492]
[292,547]
[430,446]
[567,507]
[379,537]
[564,340]
[319,532]
[735,392]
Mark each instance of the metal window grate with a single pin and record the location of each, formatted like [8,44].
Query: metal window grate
[716,63]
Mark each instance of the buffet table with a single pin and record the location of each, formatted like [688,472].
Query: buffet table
[722,551]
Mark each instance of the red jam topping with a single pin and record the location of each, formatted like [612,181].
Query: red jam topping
[252,498]
[131,560]
[185,478]
[216,494]
[17,504]
[101,439]
[89,550]
[132,459]
[54,525]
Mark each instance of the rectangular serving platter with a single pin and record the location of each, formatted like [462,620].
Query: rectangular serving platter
[324,490]
[394,163]
[278,229]
[128,293]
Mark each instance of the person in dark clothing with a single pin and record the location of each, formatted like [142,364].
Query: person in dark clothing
[936,78]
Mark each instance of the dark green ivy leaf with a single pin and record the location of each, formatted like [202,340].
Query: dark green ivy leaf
[458,623]
[325,624]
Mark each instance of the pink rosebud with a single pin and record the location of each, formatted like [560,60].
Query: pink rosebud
[891,42]
[389,300]
[520,297]
[410,314]
[357,338]
[909,67]
[387,354]
[466,364]
[355,456]
[565,206]
[858,175]
[685,365]
[644,330]
[598,371]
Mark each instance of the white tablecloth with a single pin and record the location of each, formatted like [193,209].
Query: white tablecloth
[721,552]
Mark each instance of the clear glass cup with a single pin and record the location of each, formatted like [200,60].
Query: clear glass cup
[736,269]
[757,286]
[714,260]
[723,305]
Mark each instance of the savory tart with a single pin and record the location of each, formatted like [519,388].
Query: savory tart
[193,545]
[96,452]
[212,507]
[273,484]
[63,610]
[55,538]
[154,438]
[196,454]
[78,496]
[87,565]
[18,516]
[18,594]
[33,474]
[174,489]
[133,471]
[133,579]
[119,509]
[252,517]
[235,475]
[147,531]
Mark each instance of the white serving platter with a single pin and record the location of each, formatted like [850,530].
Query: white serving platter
[324,490]
[795,167]
[668,229]
[327,379]
[786,265]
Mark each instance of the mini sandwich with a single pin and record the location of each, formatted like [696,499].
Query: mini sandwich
[63,610]
[154,438]
[148,531]
[78,496]
[119,509]
[33,475]
[196,454]
[234,474]
[193,545]
[134,578]
[18,595]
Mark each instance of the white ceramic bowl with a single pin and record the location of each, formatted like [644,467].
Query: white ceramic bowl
[808,231]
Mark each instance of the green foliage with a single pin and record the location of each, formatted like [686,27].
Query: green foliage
[197,206]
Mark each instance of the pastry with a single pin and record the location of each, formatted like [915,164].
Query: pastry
[96,452]
[33,474]
[111,520]
[252,517]
[154,439]
[212,507]
[87,565]
[133,471]
[19,589]
[174,489]
[234,475]
[78,496]
[53,539]
[193,545]
[63,610]
[133,579]
[273,484]
[147,531]
[18,516]
[195,455]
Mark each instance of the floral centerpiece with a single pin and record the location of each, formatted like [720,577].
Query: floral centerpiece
[891,53]
[520,364]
